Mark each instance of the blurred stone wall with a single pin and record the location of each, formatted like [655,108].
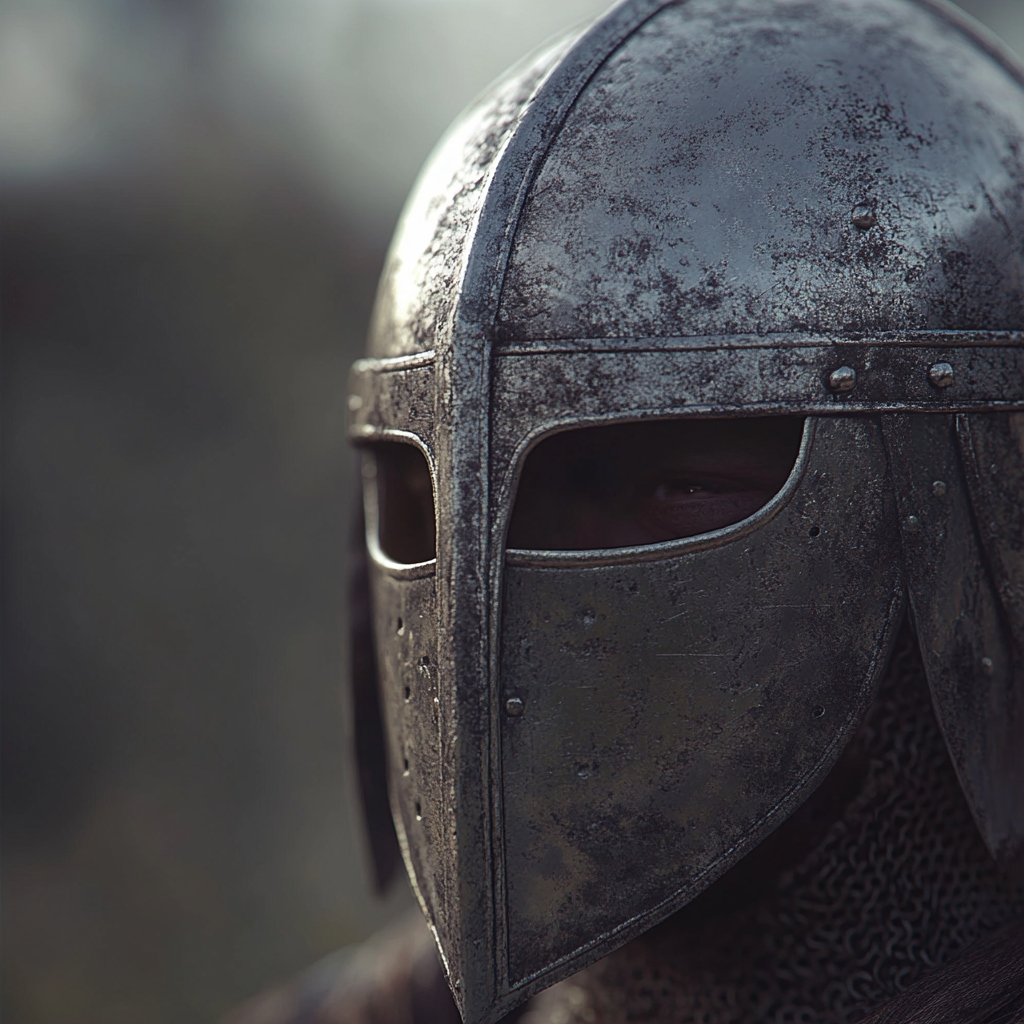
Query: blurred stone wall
[195,200]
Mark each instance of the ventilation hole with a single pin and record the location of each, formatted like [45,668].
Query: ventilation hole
[814,531]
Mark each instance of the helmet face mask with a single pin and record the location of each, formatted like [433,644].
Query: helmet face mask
[655,429]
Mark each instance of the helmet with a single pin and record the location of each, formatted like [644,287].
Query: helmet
[774,225]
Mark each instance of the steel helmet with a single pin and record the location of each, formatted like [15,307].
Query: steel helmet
[695,211]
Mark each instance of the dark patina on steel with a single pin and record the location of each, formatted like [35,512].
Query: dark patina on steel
[712,208]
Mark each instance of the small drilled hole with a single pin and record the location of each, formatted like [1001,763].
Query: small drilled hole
[405,763]
[400,626]
[419,811]
[818,711]
[814,531]
[408,693]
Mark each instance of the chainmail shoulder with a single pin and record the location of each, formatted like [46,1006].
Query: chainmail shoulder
[899,884]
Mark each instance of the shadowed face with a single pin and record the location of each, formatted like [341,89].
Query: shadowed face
[640,483]
[608,487]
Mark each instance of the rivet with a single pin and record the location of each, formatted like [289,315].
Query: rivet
[843,379]
[939,488]
[514,707]
[912,525]
[355,402]
[941,375]
[818,712]
[987,666]
[863,216]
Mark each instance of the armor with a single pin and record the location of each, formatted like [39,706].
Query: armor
[803,218]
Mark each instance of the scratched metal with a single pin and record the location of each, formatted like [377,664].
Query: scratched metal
[993,452]
[537,392]
[706,181]
[962,525]
[394,395]
[404,600]
[693,209]
[419,288]
[405,624]
[661,736]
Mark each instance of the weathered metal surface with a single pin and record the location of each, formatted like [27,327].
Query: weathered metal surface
[419,288]
[539,392]
[366,721]
[404,601]
[715,207]
[965,596]
[663,735]
[405,624]
[992,448]
[439,292]
[394,395]
[705,179]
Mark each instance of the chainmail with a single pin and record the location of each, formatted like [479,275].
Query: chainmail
[899,883]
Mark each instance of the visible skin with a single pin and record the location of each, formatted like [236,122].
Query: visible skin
[641,483]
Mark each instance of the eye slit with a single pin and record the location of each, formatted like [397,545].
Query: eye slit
[405,502]
[642,483]
[672,490]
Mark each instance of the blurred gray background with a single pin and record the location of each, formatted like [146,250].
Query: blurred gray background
[195,197]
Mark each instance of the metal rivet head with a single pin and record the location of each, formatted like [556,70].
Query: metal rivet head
[941,375]
[863,216]
[939,488]
[355,403]
[514,707]
[912,524]
[843,379]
